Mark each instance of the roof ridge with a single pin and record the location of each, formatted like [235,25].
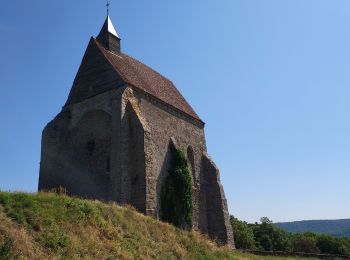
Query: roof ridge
[104,55]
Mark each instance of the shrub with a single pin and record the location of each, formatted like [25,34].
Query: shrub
[5,248]
[270,238]
[243,234]
[54,239]
[333,245]
[305,243]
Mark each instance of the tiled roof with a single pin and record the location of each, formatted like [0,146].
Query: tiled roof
[140,76]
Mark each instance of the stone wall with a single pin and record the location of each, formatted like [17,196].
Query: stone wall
[164,125]
[76,149]
[115,146]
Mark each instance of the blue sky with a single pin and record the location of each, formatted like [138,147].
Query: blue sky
[270,79]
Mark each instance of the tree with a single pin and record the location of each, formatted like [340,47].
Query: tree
[305,243]
[333,245]
[243,234]
[266,220]
[326,244]
[343,245]
[270,238]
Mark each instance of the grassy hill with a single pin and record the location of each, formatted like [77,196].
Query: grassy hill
[340,227]
[49,226]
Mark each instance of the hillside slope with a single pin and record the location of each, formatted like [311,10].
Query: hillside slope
[51,226]
[340,227]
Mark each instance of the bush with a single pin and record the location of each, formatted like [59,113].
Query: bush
[333,245]
[305,243]
[5,248]
[243,234]
[54,239]
[176,194]
[270,238]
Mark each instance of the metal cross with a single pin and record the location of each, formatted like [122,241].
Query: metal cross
[107,5]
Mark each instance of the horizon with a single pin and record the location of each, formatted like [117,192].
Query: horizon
[276,125]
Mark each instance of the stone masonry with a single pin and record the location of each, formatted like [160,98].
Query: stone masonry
[111,141]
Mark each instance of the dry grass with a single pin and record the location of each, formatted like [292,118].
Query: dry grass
[49,226]
[20,243]
[46,225]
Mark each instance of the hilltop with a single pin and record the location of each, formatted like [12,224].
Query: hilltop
[48,225]
[51,226]
[338,228]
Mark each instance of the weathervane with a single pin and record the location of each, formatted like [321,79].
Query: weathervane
[107,5]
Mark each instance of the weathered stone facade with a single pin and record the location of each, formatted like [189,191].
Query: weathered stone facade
[111,140]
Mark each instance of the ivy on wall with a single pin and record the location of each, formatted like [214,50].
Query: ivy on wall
[176,193]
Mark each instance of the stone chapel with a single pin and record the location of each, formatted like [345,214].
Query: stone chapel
[112,139]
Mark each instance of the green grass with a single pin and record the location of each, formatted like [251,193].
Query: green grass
[50,226]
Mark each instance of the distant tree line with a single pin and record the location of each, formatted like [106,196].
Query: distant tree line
[265,236]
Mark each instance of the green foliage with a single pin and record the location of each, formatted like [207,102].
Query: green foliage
[243,234]
[45,226]
[51,226]
[305,243]
[5,248]
[333,245]
[39,212]
[266,220]
[55,239]
[268,237]
[176,194]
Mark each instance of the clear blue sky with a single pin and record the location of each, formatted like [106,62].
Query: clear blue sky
[270,78]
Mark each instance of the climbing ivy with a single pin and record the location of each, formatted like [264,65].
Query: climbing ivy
[176,193]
